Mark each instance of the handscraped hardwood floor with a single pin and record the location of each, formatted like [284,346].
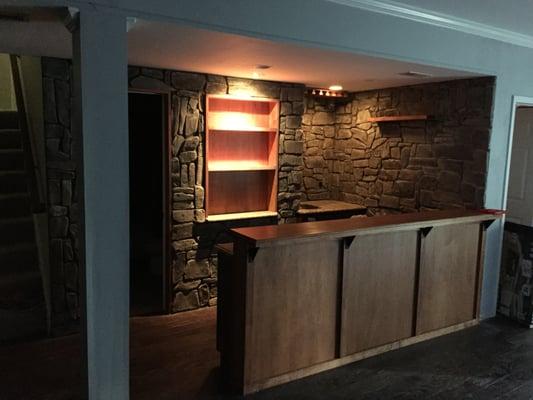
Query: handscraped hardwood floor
[174,357]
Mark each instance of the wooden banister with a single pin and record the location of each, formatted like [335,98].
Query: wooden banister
[35,181]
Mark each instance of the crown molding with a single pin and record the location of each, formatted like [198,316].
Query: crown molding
[429,17]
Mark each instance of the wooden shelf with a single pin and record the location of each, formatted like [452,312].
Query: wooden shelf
[241,147]
[243,129]
[243,215]
[222,166]
[242,138]
[398,118]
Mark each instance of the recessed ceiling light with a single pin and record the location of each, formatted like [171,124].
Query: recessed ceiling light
[263,66]
[335,87]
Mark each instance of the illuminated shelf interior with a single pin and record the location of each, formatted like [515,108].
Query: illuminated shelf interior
[243,215]
[241,157]
[239,165]
[242,129]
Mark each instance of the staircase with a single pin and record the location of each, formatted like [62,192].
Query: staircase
[23,311]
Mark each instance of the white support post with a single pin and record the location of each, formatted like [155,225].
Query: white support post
[101,112]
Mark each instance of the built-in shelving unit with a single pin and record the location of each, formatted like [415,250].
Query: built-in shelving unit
[398,118]
[241,157]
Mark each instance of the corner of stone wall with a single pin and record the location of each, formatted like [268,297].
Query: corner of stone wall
[319,180]
[291,147]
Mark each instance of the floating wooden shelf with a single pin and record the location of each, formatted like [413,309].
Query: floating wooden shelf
[398,118]
[244,215]
[241,157]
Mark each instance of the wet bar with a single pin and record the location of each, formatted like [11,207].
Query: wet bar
[298,299]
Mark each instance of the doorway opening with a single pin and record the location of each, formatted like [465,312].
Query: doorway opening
[520,190]
[147,131]
[516,275]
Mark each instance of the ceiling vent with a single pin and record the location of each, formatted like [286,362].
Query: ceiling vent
[416,74]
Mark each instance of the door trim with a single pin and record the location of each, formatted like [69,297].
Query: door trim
[517,101]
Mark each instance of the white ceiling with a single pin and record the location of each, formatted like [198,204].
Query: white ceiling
[170,46]
[43,34]
[178,47]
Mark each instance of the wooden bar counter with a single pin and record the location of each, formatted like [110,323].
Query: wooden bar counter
[298,299]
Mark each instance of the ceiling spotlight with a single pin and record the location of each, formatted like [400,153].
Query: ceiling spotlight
[335,87]
[263,66]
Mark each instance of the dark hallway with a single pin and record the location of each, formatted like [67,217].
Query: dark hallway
[146,123]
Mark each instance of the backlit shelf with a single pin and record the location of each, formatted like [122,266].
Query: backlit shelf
[242,129]
[242,215]
[219,166]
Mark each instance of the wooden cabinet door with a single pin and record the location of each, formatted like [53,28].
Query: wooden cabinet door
[448,273]
[291,308]
[378,293]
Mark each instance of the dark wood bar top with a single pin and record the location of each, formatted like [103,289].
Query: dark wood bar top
[263,236]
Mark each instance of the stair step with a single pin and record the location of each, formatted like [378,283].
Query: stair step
[11,159]
[18,259]
[13,182]
[9,120]
[16,230]
[10,139]
[14,205]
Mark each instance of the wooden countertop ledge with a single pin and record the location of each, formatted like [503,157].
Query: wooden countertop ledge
[263,236]
[327,206]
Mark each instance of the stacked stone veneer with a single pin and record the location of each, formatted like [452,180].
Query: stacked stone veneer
[401,166]
[62,167]
[194,266]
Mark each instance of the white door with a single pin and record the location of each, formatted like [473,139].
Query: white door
[520,194]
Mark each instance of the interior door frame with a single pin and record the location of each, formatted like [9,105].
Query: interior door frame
[166,96]
[517,101]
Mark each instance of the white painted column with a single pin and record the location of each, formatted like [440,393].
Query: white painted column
[101,110]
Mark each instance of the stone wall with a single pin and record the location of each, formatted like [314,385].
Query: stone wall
[401,166]
[327,150]
[194,266]
[63,158]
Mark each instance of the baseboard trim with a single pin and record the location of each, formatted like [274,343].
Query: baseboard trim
[339,362]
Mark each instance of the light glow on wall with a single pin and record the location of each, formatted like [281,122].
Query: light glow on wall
[235,121]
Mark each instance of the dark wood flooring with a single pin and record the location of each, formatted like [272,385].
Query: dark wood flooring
[174,357]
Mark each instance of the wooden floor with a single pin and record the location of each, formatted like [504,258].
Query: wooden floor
[174,357]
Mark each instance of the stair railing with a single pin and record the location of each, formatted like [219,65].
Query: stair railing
[36,185]
[36,182]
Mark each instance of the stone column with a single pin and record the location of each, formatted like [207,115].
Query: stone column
[101,110]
